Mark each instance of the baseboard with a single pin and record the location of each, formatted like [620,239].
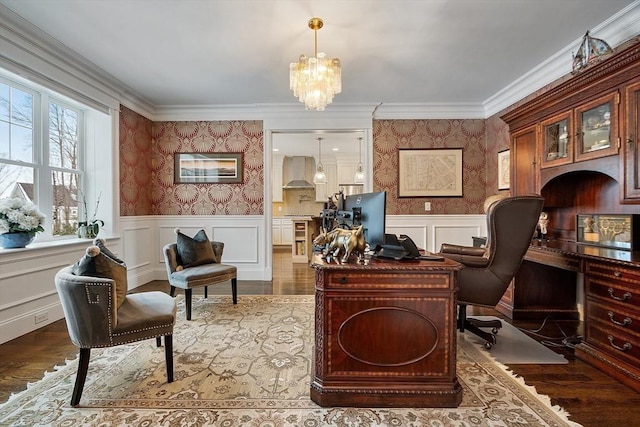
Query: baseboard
[26,322]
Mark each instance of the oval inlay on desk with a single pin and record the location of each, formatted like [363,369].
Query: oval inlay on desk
[417,331]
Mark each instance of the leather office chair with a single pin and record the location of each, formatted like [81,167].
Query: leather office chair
[487,272]
[95,318]
[200,275]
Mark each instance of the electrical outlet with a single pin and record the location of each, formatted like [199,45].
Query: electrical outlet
[41,317]
[427,206]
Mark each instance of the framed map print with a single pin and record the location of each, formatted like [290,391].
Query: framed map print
[430,172]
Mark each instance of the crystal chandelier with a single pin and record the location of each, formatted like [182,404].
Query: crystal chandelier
[358,178]
[315,80]
[320,176]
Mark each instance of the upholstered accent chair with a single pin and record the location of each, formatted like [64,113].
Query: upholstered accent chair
[98,315]
[487,272]
[199,275]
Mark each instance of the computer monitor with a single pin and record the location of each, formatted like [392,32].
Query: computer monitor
[371,209]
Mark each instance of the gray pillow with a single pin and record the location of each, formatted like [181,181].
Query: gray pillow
[196,250]
[94,263]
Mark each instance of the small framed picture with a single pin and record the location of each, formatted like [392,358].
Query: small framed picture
[204,168]
[504,167]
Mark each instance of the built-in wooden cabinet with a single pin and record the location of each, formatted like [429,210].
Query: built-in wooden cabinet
[556,140]
[630,146]
[597,127]
[586,132]
[523,160]
[589,122]
[576,145]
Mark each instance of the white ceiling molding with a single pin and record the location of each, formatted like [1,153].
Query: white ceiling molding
[616,30]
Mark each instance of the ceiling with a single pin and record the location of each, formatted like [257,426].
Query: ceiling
[224,53]
[237,52]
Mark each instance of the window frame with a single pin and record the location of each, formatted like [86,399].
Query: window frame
[40,163]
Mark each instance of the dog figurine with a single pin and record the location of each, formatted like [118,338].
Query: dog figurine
[339,239]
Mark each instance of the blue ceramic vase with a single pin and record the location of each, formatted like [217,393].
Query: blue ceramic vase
[15,240]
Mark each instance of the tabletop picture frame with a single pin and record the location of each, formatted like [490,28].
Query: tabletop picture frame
[207,168]
[504,168]
[430,172]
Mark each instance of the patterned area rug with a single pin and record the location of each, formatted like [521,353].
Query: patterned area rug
[250,365]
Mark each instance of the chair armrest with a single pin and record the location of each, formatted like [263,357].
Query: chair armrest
[448,248]
[469,256]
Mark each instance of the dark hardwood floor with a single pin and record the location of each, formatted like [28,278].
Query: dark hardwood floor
[591,397]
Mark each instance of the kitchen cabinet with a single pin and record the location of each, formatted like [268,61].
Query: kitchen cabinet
[281,231]
[301,247]
[630,147]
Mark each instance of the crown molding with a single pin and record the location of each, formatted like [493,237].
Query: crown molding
[616,30]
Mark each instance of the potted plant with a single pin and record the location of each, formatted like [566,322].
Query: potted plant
[88,229]
[20,220]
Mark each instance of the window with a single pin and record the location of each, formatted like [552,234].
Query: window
[41,141]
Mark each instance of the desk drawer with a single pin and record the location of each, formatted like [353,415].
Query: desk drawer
[613,272]
[624,294]
[384,280]
[612,315]
[619,344]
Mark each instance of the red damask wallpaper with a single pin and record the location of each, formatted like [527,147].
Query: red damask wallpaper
[136,171]
[147,164]
[391,135]
[153,145]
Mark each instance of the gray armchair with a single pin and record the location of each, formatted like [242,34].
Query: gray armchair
[199,275]
[487,272]
[93,318]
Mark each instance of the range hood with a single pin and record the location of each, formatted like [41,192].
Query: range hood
[297,171]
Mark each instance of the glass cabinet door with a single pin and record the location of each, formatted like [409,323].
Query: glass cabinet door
[557,144]
[597,124]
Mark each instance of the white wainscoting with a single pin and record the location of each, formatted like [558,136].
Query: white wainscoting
[27,289]
[243,236]
[431,231]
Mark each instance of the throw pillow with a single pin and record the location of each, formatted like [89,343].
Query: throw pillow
[103,249]
[193,251]
[97,264]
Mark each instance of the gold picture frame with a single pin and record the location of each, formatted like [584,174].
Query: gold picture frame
[208,168]
[430,172]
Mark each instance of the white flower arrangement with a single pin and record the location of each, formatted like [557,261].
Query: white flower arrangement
[18,215]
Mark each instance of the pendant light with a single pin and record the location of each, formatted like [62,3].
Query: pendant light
[320,177]
[358,178]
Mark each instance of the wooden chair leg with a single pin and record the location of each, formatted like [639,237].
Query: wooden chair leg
[187,300]
[234,290]
[81,376]
[158,341]
[172,291]
[168,356]
[206,295]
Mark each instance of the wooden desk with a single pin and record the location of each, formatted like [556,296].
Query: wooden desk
[546,285]
[385,334]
